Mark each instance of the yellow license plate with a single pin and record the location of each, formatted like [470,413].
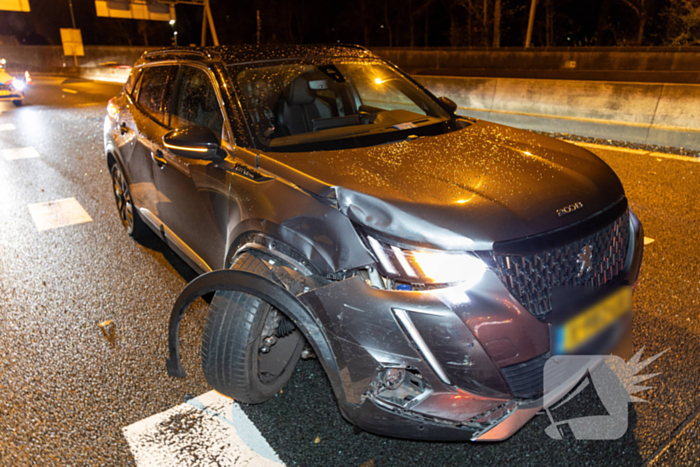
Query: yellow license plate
[4,93]
[592,321]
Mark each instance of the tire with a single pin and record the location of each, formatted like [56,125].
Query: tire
[232,340]
[125,204]
[17,103]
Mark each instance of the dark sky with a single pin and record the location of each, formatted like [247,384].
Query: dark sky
[368,22]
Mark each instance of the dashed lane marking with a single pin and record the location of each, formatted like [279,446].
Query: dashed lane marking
[640,152]
[648,240]
[19,153]
[7,127]
[69,91]
[59,213]
[208,430]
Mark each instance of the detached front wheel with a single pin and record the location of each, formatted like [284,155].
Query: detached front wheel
[249,348]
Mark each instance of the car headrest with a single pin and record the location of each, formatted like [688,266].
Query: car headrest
[299,93]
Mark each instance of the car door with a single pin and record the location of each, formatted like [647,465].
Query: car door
[196,188]
[148,119]
[124,133]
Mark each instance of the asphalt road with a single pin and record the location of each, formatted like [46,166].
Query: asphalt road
[68,389]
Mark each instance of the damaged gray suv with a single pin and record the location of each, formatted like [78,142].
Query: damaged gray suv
[333,203]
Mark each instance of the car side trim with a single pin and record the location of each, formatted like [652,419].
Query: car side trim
[182,246]
[169,235]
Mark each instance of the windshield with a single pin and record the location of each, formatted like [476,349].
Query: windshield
[309,105]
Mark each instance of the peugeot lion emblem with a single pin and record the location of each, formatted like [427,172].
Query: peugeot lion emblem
[585,259]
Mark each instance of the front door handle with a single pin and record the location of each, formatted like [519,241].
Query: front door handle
[158,158]
[123,129]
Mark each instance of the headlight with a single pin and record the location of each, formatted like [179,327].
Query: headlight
[18,84]
[426,266]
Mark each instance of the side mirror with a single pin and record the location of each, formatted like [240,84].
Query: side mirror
[448,104]
[193,142]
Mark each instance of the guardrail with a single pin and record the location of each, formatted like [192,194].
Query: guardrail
[627,64]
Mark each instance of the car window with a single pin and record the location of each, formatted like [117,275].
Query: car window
[153,88]
[131,81]
[304,103]
[195,102]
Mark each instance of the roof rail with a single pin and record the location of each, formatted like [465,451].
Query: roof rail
[179,50]
[353,46]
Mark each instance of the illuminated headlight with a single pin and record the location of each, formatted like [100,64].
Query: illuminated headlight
[426,266]
[18,84]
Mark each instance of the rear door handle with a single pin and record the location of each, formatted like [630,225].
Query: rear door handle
[158,158]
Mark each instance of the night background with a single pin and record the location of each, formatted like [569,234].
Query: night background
[417,23]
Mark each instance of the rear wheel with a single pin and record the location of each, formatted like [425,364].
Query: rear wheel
[249,348]
[125,205]
[17,102]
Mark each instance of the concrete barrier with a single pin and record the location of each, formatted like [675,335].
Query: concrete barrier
[114,74]
[50,57]
[661,114]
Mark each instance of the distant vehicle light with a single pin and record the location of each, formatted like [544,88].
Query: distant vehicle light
[27,78]
[18,84]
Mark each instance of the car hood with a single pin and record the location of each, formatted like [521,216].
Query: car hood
[462,190]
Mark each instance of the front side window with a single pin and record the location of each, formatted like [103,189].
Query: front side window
[131,81]
[195,102]
[306,104]
[156,85]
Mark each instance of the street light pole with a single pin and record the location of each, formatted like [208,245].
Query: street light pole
[72,17]
[530,23]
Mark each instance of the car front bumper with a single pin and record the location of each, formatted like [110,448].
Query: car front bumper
[14,95]
[464,378]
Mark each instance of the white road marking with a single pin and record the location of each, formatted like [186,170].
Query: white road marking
[59,213]
[19,153]
[648,240]
[208,430]
[7,127]
[70,91]
[640,152]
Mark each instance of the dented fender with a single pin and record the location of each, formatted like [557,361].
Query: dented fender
[253,284]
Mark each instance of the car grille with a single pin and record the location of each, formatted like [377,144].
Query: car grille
[531,277]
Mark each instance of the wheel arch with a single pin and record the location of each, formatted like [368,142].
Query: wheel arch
[267,290]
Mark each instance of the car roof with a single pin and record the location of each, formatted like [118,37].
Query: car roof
[236,54]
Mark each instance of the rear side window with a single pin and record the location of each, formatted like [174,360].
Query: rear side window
[156,86]
[195,102]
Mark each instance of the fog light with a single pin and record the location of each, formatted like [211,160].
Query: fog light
[393,378]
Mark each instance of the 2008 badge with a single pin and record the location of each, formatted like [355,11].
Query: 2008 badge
[570,208]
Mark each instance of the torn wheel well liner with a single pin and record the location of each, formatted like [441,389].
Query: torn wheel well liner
[241,281]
